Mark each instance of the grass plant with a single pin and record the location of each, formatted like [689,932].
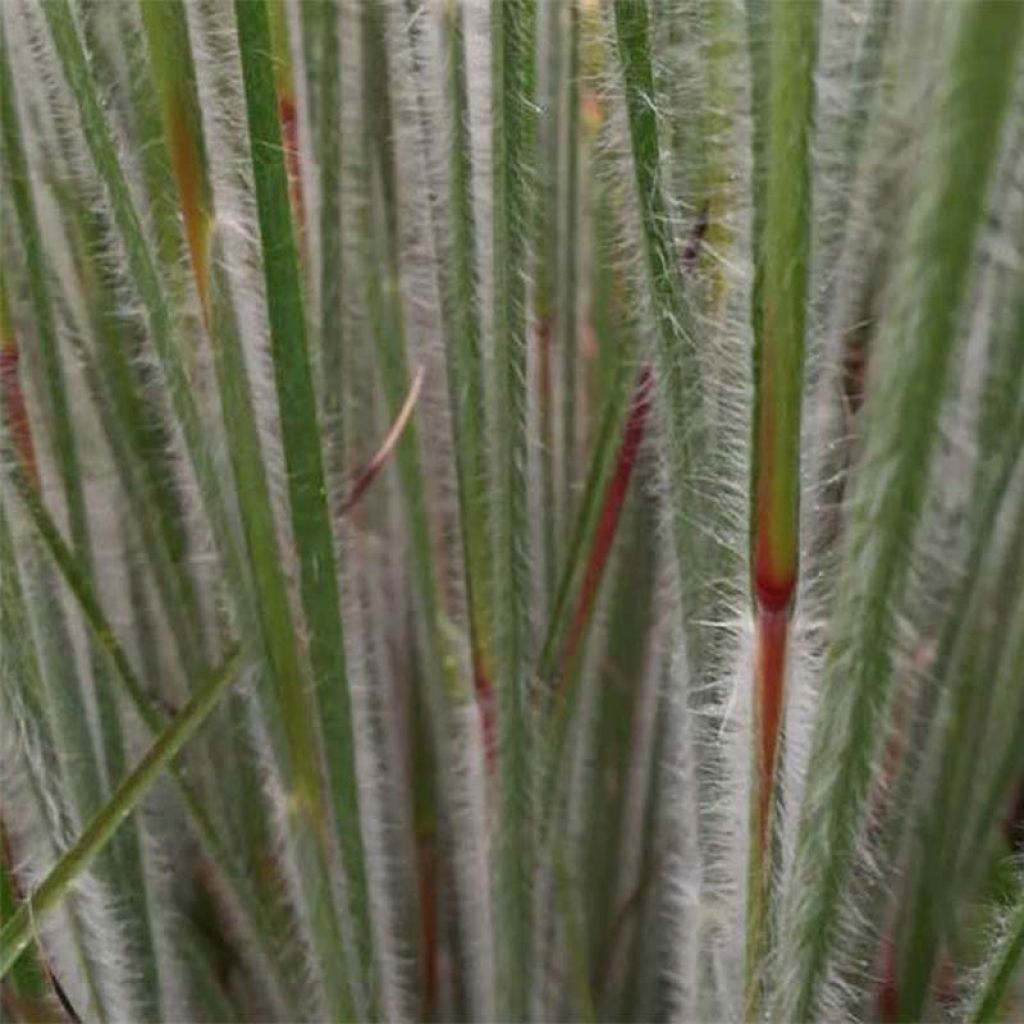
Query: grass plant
[512,510]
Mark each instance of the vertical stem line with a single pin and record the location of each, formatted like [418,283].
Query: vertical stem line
[512,57]
[549,241]
[22,674]
[915,357]
[568,257]
[109,761]
[332,341]
[173,74]
[301,441]
[145,278]
[18,930]
[779,338]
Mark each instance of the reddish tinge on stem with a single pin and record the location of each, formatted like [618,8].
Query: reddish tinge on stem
[289,118]
[770,671]
[12,398]
[611,509]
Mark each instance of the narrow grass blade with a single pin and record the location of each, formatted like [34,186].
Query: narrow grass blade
[294,735]
[24,685]
[757,12]
[302,439]
[18,931]
[605,528]
[379,459]
[157,163]
[59,421]
[512,38]
[288,114]
[455,249]
[466,384]
[175,80]
[138,439]
[441,686]
[630,692]
[865,85]
[170,58]
[602,463]
[902,412]
[545,274]
[332,292]
[570,188]
[779,340]
[684,436]
[252,917]
[12,394]
[27,978]
[678,370]
[966,654]
[124,858]
[1000,967]
[78,578]
[599,546]
[145,278]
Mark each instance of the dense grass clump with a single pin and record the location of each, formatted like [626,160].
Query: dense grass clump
[512,510]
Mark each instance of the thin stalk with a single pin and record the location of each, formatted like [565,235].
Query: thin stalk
[146,280]
[157,163]
[174,78]
[280,57]
[605,529]
[204,984]
[138,445]
[63,434]
[464,365]
[455,259]
[294,737]
[624,681]
[23,681]
[60,695]
[902,416]
[512,48]
[27,977]
[12,394]
[571,914]
[428,693]
[170,57]
[939,875]
[76,574]
[757,12]
[963,658]
[251,914]
[718,170]
[684,431]
[125,856]
[176,82]
[866,79]
[996,786]
[602,462]
[332,293]
[301,441]
[547,228]
[19,930]
[568,257]
[999,969]
[599,546]
[379,459]
[678,368]
[441,689]
[779,340]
